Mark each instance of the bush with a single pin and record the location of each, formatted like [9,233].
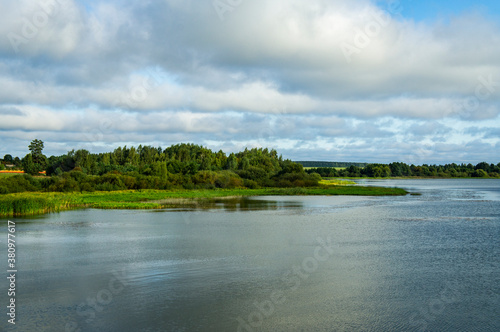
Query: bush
[87,187]
[284,183]
[299,183]
[111,180]
[205,177]
[77,175]
[18,183]
[228,179]
[106,187]
[251,184]
[314,177]
[67,185]
[253,173]
[130,182]
[479,173]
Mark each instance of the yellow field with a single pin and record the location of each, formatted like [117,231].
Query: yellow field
[336,182]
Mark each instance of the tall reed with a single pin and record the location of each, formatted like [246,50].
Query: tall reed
[25,204]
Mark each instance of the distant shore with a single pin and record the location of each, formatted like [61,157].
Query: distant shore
[412,178]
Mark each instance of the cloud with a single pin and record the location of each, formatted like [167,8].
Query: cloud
[263,73]
[10,111]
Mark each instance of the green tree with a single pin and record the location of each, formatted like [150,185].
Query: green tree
[132,157]
[245,163]
[83,160]
[480,173]
[29,166]
[8,159]
[160,170]
[353,170]
[232,162]
[40,161]
[483,166]
[36,148]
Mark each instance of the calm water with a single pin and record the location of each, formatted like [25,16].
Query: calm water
[414,263]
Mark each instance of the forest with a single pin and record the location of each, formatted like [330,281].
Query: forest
[181,166]
[320,164]
[399,169]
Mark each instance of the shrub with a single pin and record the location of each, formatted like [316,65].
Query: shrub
[228,179]
[129,181]
[479,173]
[69,185]
[18,183]
[314,177]
[106,187]
[87,187]
[251,184]
[205,177]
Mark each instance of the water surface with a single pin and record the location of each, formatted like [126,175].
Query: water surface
[411,263]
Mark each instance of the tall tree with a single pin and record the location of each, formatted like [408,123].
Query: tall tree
[36,148]
[36,157]
[232,162]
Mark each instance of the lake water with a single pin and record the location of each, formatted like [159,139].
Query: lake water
[413,263]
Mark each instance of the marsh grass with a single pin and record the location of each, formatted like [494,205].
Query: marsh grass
[26,204]
[33,203]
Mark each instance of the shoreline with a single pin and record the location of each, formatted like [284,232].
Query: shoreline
[38,203]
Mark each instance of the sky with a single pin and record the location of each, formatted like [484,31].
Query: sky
[330,80]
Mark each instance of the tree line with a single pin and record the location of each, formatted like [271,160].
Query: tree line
[190,166]
[10,161]
[399,169]
[320,164]
[186,166]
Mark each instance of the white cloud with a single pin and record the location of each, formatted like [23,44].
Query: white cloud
[269,73]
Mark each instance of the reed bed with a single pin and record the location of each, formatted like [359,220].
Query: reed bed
[26,204]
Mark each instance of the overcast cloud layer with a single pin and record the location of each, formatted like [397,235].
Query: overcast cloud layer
[317,80]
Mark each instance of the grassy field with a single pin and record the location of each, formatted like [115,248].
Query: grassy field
[8,174]
[24,204]
[335,182]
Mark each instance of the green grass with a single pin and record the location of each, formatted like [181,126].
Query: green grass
[24,204]
[335,182]
[9,174]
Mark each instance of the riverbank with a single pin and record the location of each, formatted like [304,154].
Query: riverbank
[35,203]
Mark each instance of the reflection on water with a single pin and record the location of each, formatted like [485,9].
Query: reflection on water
[239,204]
[409,263]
